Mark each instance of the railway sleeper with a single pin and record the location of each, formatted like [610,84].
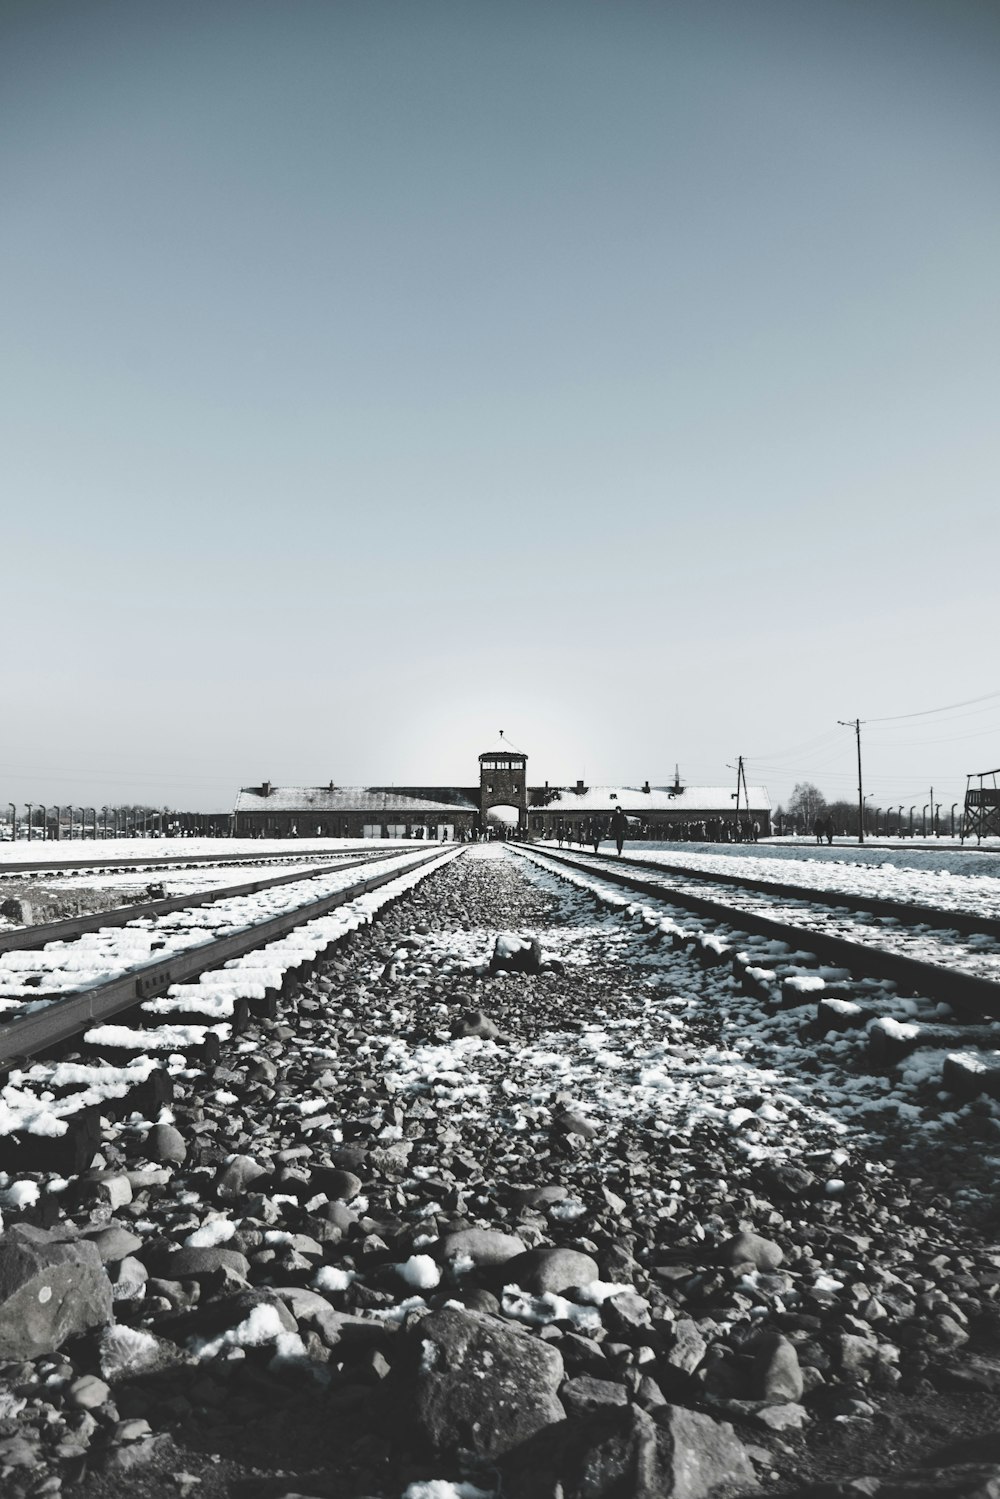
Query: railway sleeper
[970,1075]
[840,1013]
[712,952]
[145,1098]
[186,1011]
[889,1040]
[199,1044]
[760,984]
[64,1155]
[798,989]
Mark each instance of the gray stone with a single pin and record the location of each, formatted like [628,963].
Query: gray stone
[50,1290]
[165,1144]
[476,1023]
[750,1248]
[787,1417]
[776,1372]
[584,1394]
[626,1312]
[341,1185]
[483,1246]
[688,1348]
[623,1452]
[17,1452]
[551,1268]
[195,1262]
[483,1387]
[236,1176]
[513,954]
[111,1187]
[88,1392]
[701,1455]
[113,1242]
[572,1122]
[310,1309]
[130,1277]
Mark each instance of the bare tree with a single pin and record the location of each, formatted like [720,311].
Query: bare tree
[805,804]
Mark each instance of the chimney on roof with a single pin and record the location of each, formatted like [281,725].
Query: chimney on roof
[579,788]
[677,787]
[265,789]
[645,787]
[330,787]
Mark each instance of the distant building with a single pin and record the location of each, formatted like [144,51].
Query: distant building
[450,812]
[331,811]
[695,813]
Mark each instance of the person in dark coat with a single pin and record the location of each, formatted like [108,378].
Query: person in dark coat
[828,829]
[819,828]
[619,828]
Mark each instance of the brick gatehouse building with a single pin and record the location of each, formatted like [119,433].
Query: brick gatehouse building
[461,812]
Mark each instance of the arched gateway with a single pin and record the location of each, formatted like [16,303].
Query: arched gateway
[503,782]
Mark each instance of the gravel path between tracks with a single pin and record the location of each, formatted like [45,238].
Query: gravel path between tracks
[587,1224]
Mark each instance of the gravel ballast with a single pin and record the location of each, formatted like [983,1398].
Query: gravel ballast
[660,1243]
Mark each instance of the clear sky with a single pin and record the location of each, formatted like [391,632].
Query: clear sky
[376,375]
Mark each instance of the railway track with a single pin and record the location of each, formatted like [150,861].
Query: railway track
[792,956]
[572,1168]
[231,940]
[947,914]
[919,947]
[137,864]
[67,929]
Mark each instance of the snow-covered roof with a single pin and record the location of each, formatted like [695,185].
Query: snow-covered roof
[339,799]
[690,800]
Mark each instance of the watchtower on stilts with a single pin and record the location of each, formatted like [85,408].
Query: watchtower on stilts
[982,805]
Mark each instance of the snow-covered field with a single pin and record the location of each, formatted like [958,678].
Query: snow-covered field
[113,850]
[948,854]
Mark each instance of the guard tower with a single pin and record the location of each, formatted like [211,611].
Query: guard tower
[503,782]
[982,806]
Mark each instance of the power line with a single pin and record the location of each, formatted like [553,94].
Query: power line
[924,712]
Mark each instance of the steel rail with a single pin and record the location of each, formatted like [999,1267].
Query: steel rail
[26,938]
[963,991]
[178,861]
[66,1017]
[965,922]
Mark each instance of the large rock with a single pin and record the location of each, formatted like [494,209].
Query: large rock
[234,1179]
[551,1268]
[482,1387]
[748,1248]
[113,1241]
[699,1455]
[513,954]
[481,1246]
[165,1143]
[776,1374]
[51,1289]
[624,1451]
[194,1262]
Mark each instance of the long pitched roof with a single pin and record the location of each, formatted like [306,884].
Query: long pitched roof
[309,799]
[715,800]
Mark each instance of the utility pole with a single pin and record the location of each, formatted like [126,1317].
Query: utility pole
[856,726]
[742,789]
